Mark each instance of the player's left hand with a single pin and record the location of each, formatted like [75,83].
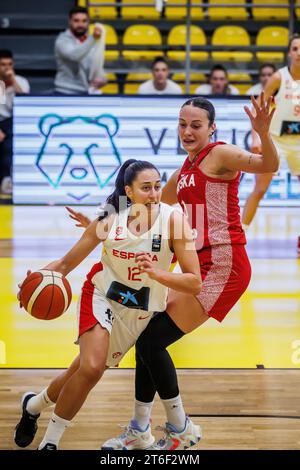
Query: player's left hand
[145,264]
[19,286]
[83,220]
[262,117]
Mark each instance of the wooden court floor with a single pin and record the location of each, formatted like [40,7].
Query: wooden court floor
[237,409]
[238,405]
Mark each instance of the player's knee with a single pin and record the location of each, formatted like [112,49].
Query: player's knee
[92,371]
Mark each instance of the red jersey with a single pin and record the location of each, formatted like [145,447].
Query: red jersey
[211,204]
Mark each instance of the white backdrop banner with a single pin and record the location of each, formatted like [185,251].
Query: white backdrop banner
[67,150]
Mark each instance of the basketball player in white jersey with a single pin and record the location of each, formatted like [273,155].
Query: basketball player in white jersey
[285,126]
[119,296]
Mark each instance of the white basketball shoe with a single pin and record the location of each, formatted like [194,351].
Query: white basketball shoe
[175,440]
[132,438]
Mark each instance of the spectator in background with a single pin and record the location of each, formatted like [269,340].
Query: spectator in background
[14,84]
[265,72]
[75,53]
[160,84]
[217,83]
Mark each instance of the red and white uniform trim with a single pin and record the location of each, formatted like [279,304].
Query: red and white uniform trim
[225,267]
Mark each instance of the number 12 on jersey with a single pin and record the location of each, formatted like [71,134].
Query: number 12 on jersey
[133,274]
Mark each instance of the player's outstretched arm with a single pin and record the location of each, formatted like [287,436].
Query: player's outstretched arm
[95,233]
[234,159]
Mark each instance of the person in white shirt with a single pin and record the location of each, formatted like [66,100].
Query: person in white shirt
[160,84]
[12,84]
[218,83]
[265,72]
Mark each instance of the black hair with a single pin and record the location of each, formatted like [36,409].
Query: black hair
[157,60]
[292,38]
[218,67]
[6,54]
[127,174]
[202,103]
[76,10]
[267,64]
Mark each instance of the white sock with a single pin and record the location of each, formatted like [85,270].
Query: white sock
[175,412]
[142,413]
[38,403]
[55,430]
[245,227]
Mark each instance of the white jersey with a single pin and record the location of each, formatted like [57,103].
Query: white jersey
[119,278]
[287,114]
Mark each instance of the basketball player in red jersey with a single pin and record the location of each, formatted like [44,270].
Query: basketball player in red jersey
[285,127]
[207,188]
[208,182]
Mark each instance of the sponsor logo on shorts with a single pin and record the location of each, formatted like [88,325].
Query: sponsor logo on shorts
[109,316]
[115,355]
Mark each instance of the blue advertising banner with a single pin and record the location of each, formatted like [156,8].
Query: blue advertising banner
[67,150]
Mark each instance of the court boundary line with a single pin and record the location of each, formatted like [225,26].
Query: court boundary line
[242,416]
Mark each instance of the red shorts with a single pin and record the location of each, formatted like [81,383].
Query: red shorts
[226,273]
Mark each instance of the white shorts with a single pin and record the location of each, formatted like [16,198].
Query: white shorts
[288,147]
[123,324]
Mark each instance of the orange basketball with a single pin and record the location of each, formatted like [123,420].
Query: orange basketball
[45,294]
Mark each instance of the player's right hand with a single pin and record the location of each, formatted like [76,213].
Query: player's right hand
[83,220]
[19,286]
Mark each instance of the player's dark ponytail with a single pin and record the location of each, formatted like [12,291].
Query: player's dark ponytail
[125,177]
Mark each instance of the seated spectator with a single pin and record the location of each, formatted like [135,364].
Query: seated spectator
[265,72]
[13,84]
[217,83]
[76,53]
[160,84]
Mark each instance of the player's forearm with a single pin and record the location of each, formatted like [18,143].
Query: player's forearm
[70,261]
[182,282]
[57,266]
[269,153]
[78,252]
